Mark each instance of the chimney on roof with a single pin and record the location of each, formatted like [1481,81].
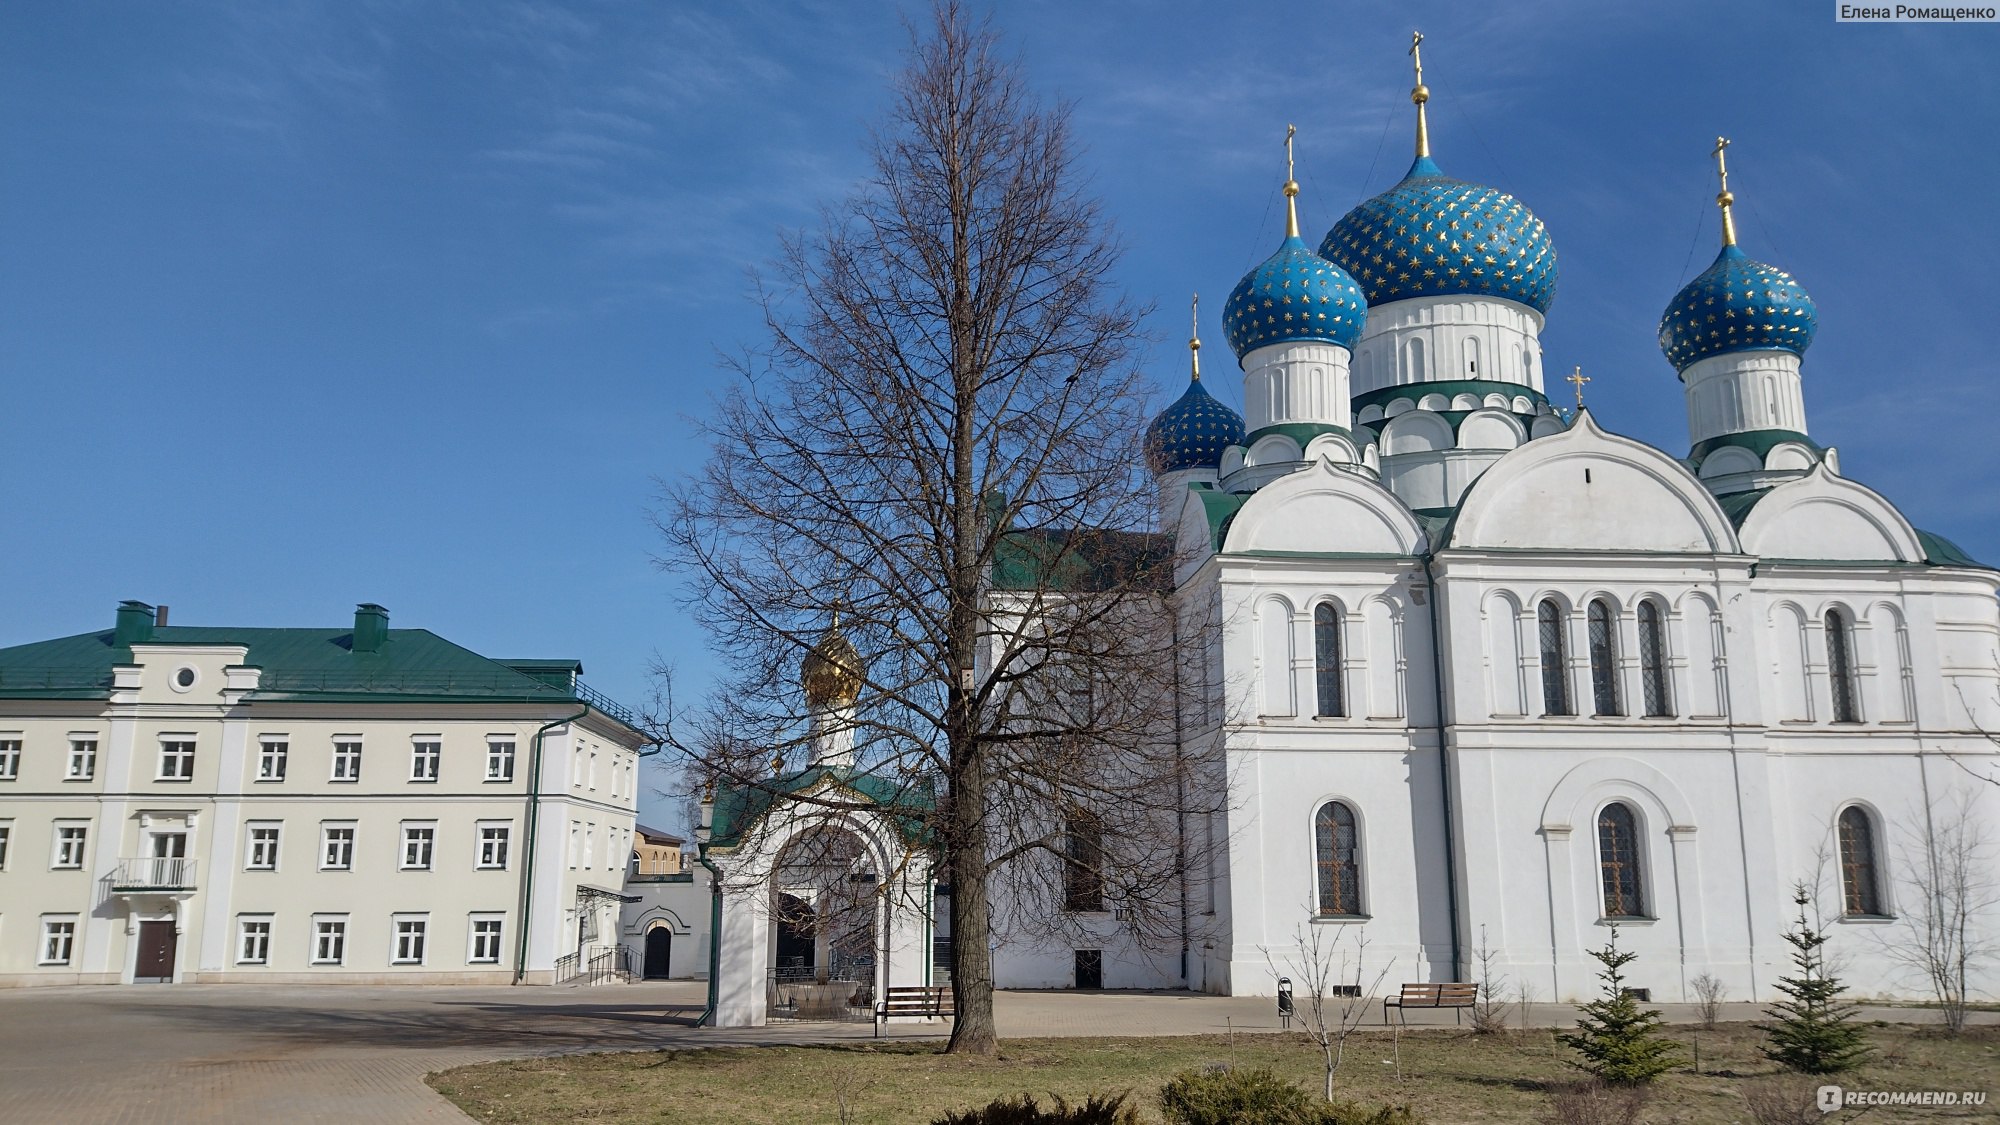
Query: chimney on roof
[371,627]
[135,624]
[159,617]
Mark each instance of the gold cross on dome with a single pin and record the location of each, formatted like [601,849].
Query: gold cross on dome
[1577,379]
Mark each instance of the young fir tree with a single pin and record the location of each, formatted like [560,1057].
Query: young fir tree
[1813,1033]
[1619,1041]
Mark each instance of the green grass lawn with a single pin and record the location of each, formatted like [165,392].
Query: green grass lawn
[1447,1075]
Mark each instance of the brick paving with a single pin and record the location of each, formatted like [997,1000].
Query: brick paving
[149,1055]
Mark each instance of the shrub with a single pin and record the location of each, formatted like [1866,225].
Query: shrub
[1260,1097]
[1595,1103]
[1100,1109]
[1786,1100]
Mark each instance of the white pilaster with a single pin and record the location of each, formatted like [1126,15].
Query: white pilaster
[1297,381]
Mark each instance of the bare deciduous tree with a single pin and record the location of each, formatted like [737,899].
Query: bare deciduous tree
[1489,1008]
[1708,993]
[940,440]
[1336,989]
[1951,889]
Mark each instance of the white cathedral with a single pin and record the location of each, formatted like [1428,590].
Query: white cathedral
[1480,672]
[1489,672]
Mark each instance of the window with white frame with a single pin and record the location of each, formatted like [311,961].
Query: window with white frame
[176,758]
[425,754]
[10,757]
[253,939]
[592,775]
[410,931]
[329,939]
[6,838]
[272,757]
[347,759]
[499,759]
[58,939]
[70,839]
[418,840]
[576,769]
[589,845]
[493,844]
[261,846]
[336,845]
[82,759]
[484,945]
[575,841]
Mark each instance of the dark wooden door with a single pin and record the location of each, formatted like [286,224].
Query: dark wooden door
[659,953]
[156,953]
[1090,968]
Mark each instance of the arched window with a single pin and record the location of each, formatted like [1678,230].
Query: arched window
[1337,854]
[1326,659]
[1472,357]
[1603,659]
[1083,863]
[1653,661]
[1840,667]
[1555,659]
[1618,861]
[1859,885]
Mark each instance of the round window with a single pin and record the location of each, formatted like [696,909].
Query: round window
[184,678]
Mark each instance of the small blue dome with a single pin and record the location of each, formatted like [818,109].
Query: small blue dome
[1737,305]
[1294,295]
[1192,433]
[1431,235]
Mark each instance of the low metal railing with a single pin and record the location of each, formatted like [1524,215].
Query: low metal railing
[611,963]
[153,873]
[845,995]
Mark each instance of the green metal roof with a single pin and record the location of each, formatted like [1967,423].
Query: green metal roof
[910,802]
[1080,559]
[413,664]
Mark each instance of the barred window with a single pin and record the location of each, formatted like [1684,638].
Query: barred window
[1083,864]
[1337,852]
[1859,884]
[1326,660]
[1653,661]
[1618,861]
[1555,659]
[1840,667]
[1603,658]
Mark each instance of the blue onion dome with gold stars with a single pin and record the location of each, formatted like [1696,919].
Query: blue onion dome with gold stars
[1192,433]
[1738,304]
[1432,235]
[1295,295]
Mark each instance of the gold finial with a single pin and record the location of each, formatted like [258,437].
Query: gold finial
[708,792]
[1577,379]
[1722,198]
[1420,94]
[1194,338]
[1291,187]
[777,765]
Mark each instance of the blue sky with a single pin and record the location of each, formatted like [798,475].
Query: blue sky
[305,304]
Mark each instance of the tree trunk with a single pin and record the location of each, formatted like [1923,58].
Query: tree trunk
[972,1030]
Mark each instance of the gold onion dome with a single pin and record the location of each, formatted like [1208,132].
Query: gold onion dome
[832,670]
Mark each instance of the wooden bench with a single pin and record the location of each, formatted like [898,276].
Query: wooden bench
[921,1001]
[1438,994]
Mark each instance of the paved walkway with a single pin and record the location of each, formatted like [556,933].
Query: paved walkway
[245,1053]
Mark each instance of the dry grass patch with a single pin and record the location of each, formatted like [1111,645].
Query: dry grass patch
[1447,1076]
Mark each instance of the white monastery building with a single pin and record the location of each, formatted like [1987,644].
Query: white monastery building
[1470,671]
[365,804]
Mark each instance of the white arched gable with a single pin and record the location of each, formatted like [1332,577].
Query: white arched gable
[1728,460]
[1491,429]
[1590,784]
[1587,489]
[1335,447]
[1419,431]
[1272,449]
[1370,413]
[1325,509]
[1823,516]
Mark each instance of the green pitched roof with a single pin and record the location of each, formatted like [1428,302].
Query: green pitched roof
[739,807]
[413,664]
[1080,559]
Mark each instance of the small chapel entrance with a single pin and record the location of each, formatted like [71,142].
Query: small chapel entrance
[824,920]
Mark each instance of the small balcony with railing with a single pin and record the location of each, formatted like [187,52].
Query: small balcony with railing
[153,875]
